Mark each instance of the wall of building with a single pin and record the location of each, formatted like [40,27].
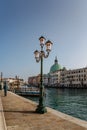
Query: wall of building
[60,78]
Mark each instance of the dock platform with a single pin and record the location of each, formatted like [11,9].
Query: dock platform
[19,114]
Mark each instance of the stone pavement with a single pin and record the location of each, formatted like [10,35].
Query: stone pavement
[2,119]
[20,115]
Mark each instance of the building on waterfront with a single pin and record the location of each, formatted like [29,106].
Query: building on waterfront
[61,77]
[54,74]
[14,82]
[74,78]
[35,80]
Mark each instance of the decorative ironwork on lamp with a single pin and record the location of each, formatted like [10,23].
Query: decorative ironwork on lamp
[39,55]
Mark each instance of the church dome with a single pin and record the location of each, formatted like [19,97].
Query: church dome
[55,66]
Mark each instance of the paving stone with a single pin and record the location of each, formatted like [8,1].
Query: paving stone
[20,115]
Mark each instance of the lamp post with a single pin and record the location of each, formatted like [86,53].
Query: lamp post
[39,55]
[1,81]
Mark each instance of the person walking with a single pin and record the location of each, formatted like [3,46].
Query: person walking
[5,88]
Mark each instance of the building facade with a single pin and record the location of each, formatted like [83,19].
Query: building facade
[61,77]
[54,74]
[74,78]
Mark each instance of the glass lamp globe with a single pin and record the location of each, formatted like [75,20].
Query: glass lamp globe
[42,40]
[37,55]
[48,45]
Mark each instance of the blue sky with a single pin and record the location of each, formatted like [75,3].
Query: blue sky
[22,22]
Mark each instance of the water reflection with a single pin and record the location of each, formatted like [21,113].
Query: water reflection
[70,101]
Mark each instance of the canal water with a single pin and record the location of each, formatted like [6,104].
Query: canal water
[70,101]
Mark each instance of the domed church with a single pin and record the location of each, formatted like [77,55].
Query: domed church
[54,74]
[55,67]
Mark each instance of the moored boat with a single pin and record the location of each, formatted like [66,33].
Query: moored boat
[27,91]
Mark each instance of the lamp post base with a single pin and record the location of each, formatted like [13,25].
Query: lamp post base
[41,109]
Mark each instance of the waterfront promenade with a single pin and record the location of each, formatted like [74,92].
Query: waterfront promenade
[20,114]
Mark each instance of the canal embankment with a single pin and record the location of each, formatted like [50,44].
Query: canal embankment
[2,118]
[20,114]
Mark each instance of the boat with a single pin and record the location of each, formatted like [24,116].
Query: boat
[27,91]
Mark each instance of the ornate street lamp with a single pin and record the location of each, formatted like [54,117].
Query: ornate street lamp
[39,55]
